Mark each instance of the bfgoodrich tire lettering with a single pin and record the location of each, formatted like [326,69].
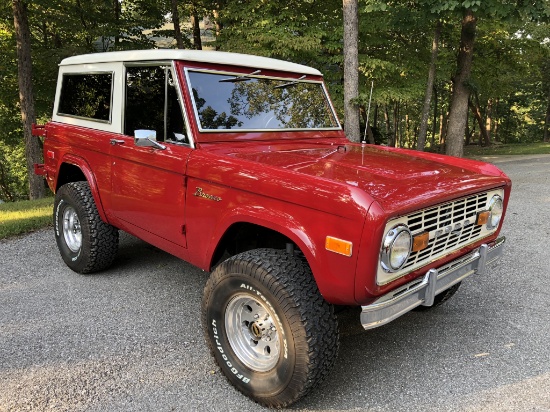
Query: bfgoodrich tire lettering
[268,327]
[86,243]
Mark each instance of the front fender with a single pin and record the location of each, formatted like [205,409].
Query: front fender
[306,227]
[269,219]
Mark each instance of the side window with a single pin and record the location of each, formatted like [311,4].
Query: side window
[152,104]
[87,96]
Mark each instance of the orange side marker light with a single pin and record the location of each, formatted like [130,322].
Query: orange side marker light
[342,247]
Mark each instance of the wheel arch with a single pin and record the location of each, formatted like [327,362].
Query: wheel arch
[75,169]
[249,233]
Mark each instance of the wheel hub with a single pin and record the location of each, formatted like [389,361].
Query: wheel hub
[252,333]
[72,231]
[255,330]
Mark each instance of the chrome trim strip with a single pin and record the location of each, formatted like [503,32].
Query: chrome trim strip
[423,291]
[186,119]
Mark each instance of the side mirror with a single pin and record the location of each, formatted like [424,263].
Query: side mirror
[147,138]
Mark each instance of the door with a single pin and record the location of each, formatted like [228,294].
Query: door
[148,183]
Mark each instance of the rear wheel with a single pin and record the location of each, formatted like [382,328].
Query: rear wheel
[87,244]
[269,329]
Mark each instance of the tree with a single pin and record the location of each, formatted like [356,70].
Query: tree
[195,21]
[351,74]
[26,96]
[429,88]
[176,22]
[461,92]
[546,136]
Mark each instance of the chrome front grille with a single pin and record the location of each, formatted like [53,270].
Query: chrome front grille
[437,219]
[451,226]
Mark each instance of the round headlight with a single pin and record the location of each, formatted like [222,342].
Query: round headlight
[496,209]
[396,248]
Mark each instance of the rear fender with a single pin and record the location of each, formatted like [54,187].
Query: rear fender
[87,172]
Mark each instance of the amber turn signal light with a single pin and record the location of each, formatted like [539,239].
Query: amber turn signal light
[342,247]
[420,242]
[483,218]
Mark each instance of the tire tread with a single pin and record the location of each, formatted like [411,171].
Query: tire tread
[308,314]
[103,237]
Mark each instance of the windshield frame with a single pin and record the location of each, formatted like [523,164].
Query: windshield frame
[293,77]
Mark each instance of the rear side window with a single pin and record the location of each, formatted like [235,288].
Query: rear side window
[87,96]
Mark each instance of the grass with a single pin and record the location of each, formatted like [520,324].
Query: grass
[25,216]
[507,149]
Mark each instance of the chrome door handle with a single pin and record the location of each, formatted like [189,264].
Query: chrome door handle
[114,142]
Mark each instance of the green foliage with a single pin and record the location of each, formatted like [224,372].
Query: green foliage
[61,28]
[13,173]
[510,77]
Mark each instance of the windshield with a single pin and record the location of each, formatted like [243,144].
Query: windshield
[239,102]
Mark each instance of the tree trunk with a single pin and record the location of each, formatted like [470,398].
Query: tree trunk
[387,123]
[443,118]
[496,120]
[434,125]
[484,139]
[488,123]
[176,22]
[461,92]
[218,25]
[396,124]
[26,98]
[351,71]
[468,133]
[117,11]
[547,120]
[375,124]
[406,137]
[507,121]
[195,23]
[429,89]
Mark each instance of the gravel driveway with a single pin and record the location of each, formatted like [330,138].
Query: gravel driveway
[129,339]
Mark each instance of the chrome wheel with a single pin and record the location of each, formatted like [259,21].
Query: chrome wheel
[252,333]
[72,231]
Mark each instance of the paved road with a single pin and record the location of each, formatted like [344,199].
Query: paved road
[129,339]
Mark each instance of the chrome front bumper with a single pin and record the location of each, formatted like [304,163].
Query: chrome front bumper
[423,290]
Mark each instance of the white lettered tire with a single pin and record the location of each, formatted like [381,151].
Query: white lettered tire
[87,244]
[269,329]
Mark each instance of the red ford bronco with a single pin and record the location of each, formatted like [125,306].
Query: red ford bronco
[238,164]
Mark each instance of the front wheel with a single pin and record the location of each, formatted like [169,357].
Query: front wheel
[87,244]
[269,329]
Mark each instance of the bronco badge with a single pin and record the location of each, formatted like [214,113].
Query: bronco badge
[200,193]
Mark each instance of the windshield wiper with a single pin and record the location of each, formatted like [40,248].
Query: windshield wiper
[243,78]
[283,86]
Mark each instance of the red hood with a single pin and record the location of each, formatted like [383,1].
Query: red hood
[399,180]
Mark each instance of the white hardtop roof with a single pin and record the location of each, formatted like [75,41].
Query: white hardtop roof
[203,56]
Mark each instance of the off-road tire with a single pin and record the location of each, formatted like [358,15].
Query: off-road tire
[441,298]
[90,245]
[302,323]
